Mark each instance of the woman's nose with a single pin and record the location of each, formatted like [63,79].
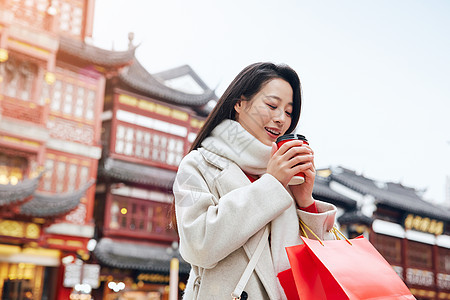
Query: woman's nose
[279,116]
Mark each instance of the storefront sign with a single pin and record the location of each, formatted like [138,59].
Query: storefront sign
[77,273]
[91,274]
[419,277]
[72,275]
[424,224]
[19,229]
[443,281]
[153,107]
[153,278]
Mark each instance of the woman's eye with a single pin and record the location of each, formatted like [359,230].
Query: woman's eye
[271,106]
[288,114]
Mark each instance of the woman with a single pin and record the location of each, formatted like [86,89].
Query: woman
[233,185]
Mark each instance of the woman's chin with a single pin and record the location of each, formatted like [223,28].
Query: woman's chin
[267,141]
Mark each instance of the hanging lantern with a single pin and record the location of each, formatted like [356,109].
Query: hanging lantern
[3,55]
[50,78]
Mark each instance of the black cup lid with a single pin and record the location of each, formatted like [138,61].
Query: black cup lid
[292,136]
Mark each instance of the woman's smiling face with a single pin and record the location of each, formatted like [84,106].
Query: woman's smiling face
[268,114]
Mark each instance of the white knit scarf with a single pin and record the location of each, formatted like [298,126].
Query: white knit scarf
[230,140]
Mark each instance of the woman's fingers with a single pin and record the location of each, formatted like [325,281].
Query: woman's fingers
[291,158]
[301,168]
[297,150]
[274,149]
[301,159]
[288,145]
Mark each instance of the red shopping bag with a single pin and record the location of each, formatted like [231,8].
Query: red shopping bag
[341,269]
[288,283]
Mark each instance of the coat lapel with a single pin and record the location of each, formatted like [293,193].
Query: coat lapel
[231,178]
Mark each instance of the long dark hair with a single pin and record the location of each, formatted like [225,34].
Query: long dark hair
[247,84]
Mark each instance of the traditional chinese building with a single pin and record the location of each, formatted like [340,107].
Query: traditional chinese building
[149,122]
[412,234]
[51,97]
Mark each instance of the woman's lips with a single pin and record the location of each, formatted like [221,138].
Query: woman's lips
[273,133]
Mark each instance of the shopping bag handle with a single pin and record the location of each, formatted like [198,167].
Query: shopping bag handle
[336,232]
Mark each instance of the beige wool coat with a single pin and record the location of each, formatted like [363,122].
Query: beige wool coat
[221,217]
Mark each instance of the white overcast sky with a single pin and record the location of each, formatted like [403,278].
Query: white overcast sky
[375,74]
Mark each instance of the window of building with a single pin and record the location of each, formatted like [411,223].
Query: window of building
[419,255]
[71,16]
[79,102]
[71,95]
[31,13]
[18,78]
[140,216]
[443,260]
[71,179]
[57,96]
[12,168]
[149,144]
[34,13]
[389,247]
[90,105]
[64,174]
[68,98]
[61,176]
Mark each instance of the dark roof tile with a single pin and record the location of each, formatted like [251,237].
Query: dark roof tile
[144,257]
[179,72]
[355,216]
[10,194]
[95,55]
[136,173]
[323,192]
[50,205]
[391,194]
[138,78]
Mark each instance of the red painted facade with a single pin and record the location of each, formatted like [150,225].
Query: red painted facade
[50,122]
[149,136]
[54,92]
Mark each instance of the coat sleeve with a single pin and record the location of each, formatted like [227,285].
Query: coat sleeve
[321,222]
[210,228]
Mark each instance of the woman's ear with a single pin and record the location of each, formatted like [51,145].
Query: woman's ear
[238,106]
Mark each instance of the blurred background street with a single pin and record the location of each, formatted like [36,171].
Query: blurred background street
[100,100]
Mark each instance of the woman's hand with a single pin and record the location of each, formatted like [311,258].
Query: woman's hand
[294,157]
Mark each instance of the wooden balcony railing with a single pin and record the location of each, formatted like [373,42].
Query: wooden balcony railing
[23,110]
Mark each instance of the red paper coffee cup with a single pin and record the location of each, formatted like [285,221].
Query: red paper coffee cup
[298,178]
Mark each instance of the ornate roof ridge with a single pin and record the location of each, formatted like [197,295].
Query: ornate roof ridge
[96,55]
[404,200]
[49,205]
[10,194]
[138,78]
[181,71]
